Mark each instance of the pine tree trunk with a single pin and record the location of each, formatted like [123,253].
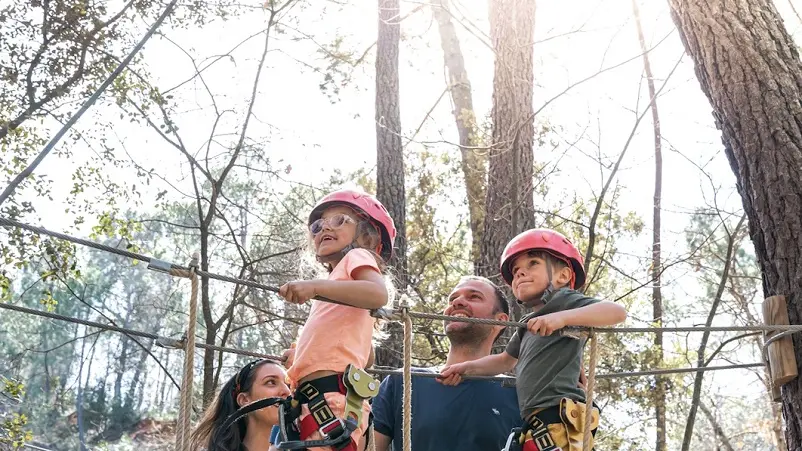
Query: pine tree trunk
[79,399]
[390,189]
[750,70]
[657,295]
[474,159]
[511,158]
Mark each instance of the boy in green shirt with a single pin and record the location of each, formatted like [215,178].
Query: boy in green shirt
[544,270]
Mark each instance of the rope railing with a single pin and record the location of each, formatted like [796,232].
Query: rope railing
[167,342]
[591,385]
[381,371]
[389,313]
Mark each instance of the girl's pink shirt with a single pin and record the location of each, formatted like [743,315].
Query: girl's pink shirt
[335,335]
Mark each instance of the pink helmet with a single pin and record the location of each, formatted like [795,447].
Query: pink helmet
[364,203]
[547,240]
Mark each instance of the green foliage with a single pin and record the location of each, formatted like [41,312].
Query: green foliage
[13,425]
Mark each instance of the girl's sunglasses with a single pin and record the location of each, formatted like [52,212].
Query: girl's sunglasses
[334,222]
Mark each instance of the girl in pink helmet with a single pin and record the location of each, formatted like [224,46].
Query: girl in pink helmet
[353,237]
[545,270]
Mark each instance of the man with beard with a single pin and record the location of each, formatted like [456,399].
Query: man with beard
[474,415]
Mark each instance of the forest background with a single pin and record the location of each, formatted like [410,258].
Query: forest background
[471,121]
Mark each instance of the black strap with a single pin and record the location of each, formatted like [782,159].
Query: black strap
[252,407]
[549,415]
[312,393]
[538,424]
[325,384]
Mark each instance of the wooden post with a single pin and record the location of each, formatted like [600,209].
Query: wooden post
[776,396]
[782,362]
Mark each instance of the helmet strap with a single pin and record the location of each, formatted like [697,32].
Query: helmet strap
[550,288]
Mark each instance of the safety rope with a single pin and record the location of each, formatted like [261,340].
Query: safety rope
[407,427]
[394,314]
[185,403]
[173,343]
[587,437]
[161,341]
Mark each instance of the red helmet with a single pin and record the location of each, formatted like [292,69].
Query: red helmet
[554,243]
[364,203]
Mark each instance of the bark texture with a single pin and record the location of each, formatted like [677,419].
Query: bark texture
[390,189]
[750,70]
[474,157]
[510,207]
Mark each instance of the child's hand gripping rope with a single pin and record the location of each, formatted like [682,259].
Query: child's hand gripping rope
[547,324]
[299,291]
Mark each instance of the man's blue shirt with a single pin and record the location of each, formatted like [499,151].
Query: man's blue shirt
[474,415]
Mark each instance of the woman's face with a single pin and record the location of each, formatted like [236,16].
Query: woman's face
[268,382]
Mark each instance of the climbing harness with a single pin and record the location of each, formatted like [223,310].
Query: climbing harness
[357,386]
[534,435]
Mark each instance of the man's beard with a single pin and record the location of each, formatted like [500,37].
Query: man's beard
[468,335]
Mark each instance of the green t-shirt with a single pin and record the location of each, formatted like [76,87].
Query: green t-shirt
[548,367]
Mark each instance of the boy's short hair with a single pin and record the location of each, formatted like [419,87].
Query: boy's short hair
[501,304]
[555,261]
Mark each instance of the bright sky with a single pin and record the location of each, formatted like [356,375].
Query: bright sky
[302,128]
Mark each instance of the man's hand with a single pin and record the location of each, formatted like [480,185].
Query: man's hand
[298,291]
[289,356]
[452,374]
[546,325]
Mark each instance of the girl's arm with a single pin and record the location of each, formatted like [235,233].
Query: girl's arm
[367,290]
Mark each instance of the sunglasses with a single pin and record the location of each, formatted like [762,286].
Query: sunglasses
[334,222]
[242,376]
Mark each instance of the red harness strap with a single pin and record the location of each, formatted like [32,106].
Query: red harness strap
[309,425]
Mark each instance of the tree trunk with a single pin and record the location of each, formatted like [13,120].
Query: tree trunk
[79,399]
[135,381]
[716,427]
[700,353]
[390,189]
[776,411]
[777,426]
[750,70]
[474,159]
[511,158]
[657,295]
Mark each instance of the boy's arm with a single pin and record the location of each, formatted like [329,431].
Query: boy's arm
[486,366]
[602,313]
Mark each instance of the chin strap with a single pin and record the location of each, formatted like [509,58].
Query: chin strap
[550,288]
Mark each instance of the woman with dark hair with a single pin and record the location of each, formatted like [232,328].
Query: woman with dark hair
[257,380]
